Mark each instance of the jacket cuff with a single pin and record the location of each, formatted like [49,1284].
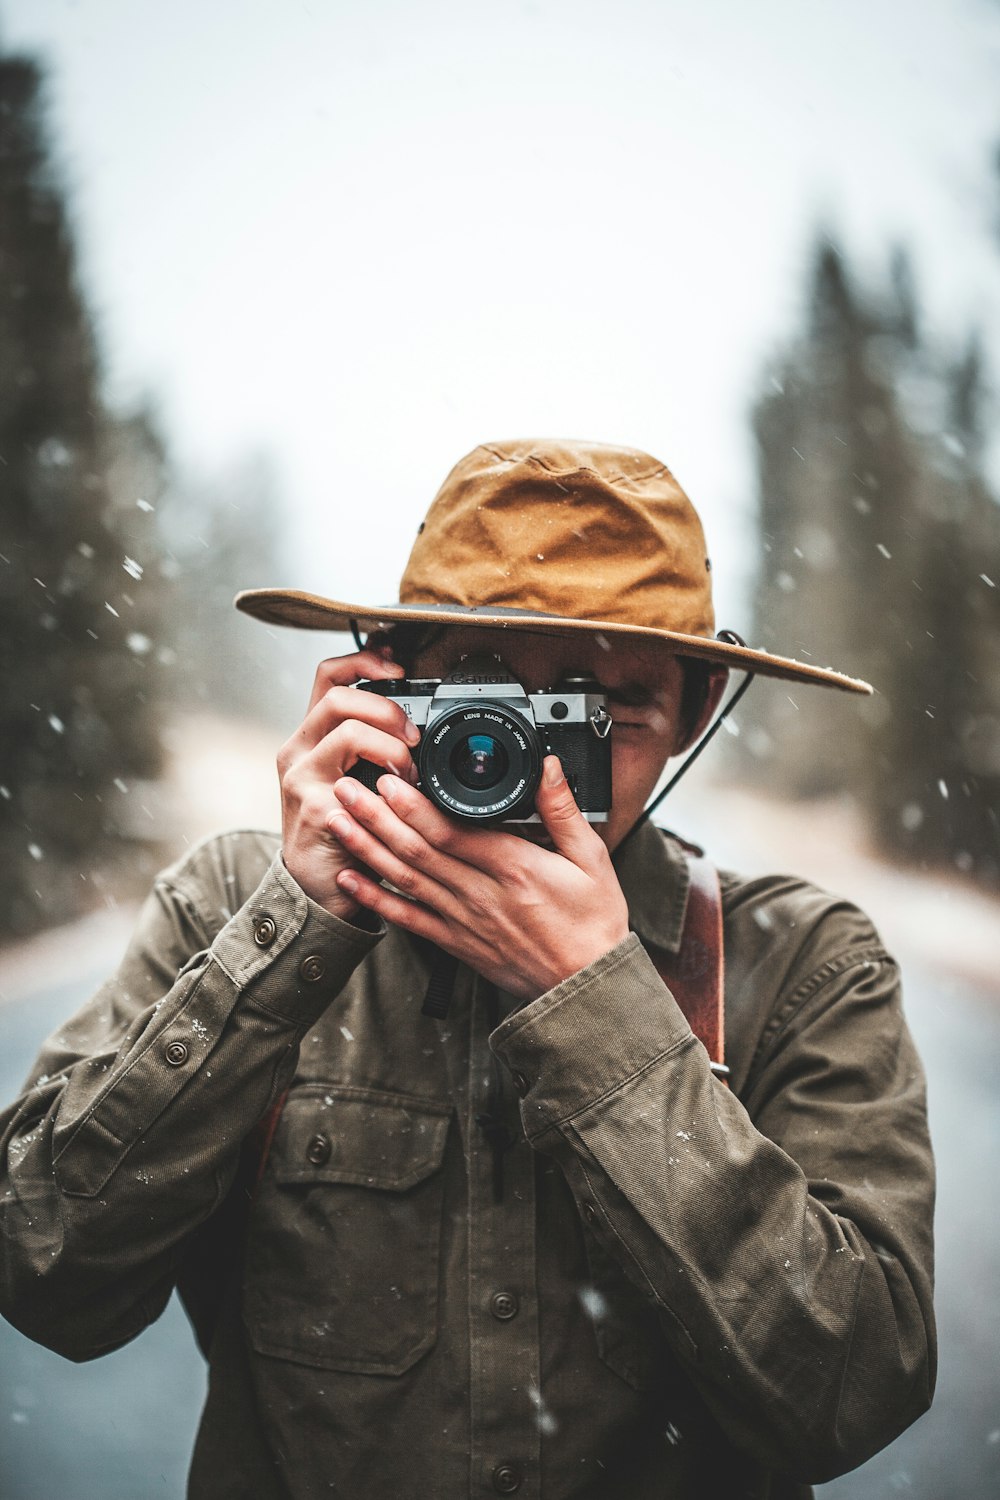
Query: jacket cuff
[588,1035]
[290,954]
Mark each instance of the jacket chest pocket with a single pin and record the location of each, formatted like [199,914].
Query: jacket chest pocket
[344,1235]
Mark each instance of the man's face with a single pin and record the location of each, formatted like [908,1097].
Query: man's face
[641,680]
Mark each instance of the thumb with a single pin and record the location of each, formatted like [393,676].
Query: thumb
[569,830]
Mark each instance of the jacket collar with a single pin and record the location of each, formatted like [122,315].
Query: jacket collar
[654,876]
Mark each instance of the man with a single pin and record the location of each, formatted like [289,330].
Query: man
[538,1246]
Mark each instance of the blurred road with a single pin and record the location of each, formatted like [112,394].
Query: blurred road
[122,1429]
[955,1449]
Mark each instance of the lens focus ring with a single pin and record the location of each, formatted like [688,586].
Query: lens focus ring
[480,761]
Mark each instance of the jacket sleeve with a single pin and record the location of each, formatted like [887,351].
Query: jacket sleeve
[787,1242]
[130,1130]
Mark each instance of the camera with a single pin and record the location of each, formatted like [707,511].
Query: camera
[483,739]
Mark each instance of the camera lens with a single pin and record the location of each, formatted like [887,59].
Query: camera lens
[479,761]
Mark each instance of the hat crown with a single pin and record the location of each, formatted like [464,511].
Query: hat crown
[560,527]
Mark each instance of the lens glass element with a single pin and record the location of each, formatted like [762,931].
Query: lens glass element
[479,761]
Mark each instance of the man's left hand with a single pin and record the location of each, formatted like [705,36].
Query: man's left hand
[522,916]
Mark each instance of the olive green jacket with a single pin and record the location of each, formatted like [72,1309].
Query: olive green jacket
[537,1251]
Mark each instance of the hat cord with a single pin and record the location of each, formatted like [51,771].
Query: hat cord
[730,638]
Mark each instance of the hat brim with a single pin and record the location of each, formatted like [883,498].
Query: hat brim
[313,612]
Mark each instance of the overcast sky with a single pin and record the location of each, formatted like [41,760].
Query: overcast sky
[366,236]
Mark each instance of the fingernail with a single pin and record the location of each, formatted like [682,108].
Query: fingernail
[553,771]
[348,880]
[411,733]
[339,825]
[347,790]
[389,786]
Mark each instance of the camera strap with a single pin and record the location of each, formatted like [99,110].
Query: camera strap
[695,974]
[440,984]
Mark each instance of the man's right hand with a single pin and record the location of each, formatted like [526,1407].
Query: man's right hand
[341,727]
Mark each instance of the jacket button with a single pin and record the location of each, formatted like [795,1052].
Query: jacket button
[504,1305]
[520,1083]
[506,1479]
[318,1149]
[176,1054]
[312,968]
[265,930]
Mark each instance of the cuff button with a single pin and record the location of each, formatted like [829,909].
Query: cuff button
[176,1054]
[265,930]
[312,968]
[318,1149]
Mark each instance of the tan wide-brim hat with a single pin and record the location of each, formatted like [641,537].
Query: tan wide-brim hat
[555,536]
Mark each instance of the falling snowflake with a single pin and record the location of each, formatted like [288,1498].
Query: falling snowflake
[592,1301]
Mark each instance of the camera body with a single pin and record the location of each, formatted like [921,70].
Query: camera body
[483,740]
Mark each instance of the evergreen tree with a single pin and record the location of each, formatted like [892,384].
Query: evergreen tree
[77,688]
[881,544]
[943,737]
[834,466]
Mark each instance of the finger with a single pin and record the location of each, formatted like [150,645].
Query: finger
[486,849]
[339,671]
[340,703]
[569,830]
[401,839]
[352,741]
[409,878]
[392,908]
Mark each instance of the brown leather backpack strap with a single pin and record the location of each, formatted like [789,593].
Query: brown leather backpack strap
[695,974]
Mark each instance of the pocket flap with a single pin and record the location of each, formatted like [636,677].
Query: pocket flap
[330,1133]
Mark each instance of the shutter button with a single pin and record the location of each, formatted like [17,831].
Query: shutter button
[504,1305]
[176,1054]
[318,1149]
[265,930]
[506,1479]
[312,968]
